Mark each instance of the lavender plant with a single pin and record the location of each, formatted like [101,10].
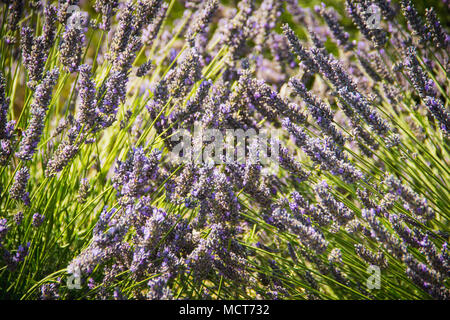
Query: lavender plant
[359,173]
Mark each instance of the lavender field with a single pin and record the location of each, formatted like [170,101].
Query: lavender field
[208,149]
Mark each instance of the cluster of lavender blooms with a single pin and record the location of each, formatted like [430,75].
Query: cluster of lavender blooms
[18,189]
[360,16]
[412,201]
[71,47]
[203,18]
[42,98]
[308,235]
[426,89]
[324,153]
[340,213]
[6,127]
[321,112]
[427,276]
[318,61]
[107,9]
[165,243]
[330,17]
[346,193]
[35,50]
[9,259]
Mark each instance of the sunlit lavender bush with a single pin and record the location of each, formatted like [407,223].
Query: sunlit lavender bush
[356,205]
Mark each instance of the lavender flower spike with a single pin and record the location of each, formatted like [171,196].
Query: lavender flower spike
[87,114]
[72,46]
[18,189]
[203,18]
[303,54]
[336,29]
[107,8]
[319,110]
[42,99]
[324,153]
[420,80]
[356,12]
[4,106]
[414,20]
